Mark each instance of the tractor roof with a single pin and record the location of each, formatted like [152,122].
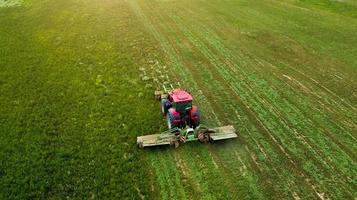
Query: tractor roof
[179,95]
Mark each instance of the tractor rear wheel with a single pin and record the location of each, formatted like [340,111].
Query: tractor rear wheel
[196,123]
[170,121]
[194,117]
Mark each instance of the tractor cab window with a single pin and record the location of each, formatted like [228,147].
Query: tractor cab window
[183,106]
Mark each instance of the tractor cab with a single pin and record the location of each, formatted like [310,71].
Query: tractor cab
[178,109]
[183,121]
[180,100]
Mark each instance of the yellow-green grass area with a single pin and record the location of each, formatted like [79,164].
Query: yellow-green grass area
[12,3]
[72,102]
[77,79]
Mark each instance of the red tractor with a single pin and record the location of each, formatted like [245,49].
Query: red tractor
[179,111]
[183,120]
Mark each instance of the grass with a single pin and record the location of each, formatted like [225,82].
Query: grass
[77,79]
[347,8]
[10,3]
[70,118]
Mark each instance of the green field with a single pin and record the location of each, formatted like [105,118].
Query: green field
[77,79]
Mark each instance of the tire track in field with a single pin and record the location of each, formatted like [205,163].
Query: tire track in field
[176,63]
[175,44]
[172,56]
[308,90]
[332,107]
[297,107]
[231,174]
[250,14]
[289,105]
[263,101]
[217,87]
[251,154]
[168,179]
[222,22]
[310,146]
[269,133]
[171,53]
[188,178]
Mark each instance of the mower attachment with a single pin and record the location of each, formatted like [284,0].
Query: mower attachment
[176,136]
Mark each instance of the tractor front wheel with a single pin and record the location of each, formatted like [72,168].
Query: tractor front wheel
[165,105]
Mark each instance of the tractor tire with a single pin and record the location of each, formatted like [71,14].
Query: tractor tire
[170,121]
[165,106]
[195,123]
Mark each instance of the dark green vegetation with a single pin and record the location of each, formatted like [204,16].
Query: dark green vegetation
[73,98]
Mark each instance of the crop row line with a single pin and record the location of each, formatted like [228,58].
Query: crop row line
[290,105]
[195,41]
